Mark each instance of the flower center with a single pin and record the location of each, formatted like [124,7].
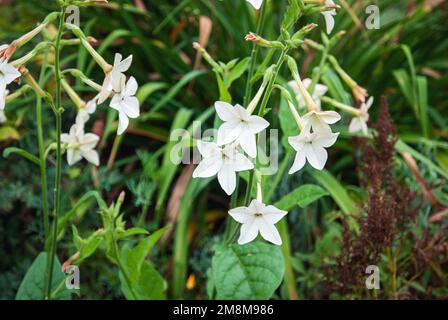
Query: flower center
[257,214]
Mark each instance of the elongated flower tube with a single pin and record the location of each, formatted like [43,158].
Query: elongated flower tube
[7,51]
[359,92]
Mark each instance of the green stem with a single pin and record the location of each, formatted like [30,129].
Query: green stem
[42,161]
[231,224]
[57,192]
[122,269]
[264,103]
[253,56]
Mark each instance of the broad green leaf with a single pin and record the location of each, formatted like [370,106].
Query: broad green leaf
[303,196]
[33,284]
[251,271]
[133,258]
[150,285]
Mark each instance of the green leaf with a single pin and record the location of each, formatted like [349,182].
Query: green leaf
[25,154]
[237,71]
[303,196]
[251,271]
[148,89]
[133,258]
[150,285]
[132,232]
[33,284]
[337,191]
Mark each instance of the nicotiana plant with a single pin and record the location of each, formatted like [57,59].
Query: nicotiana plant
[233,156]
[45,278]
[235,153]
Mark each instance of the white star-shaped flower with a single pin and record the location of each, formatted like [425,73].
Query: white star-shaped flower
[81,145]
[319,91]
[258,218]
[7,75]
[239,125]
[126,104]
[112,81]
[256,3]
[311,146]
[224,162]
[320,121]
[359,123]
[329,16]
[84,114]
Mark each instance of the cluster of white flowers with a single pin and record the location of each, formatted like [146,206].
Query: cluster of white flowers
[81,145]
[236,145]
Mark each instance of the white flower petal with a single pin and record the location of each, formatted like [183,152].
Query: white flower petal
[8,72]
[124,65]
[131,107]
[329,117]
[248,232]
[208,167]
[299,162]
[227,178]
[2,103]
[73,156]
[355,125]
[225,111]
[241,163]
[208,149]
[105,92]
[316,156]
[329,21]
[229,132]
[269,232]
[123,122]
[325,140]
[89,141]
[296,142]
[131,87]
[257,124]
[91,156]
[273,215]
[319,91]
[256,3]
[248,143]
[241,214]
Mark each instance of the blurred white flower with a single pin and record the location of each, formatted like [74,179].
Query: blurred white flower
[329,16]
[359,123]
[126,104]
[224,162]
[239,125]
[258,218]
[319,91]
[81,145]
[84,114]
[7,75]
[256,3]
[311,146]
[319,121]
[113,80]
